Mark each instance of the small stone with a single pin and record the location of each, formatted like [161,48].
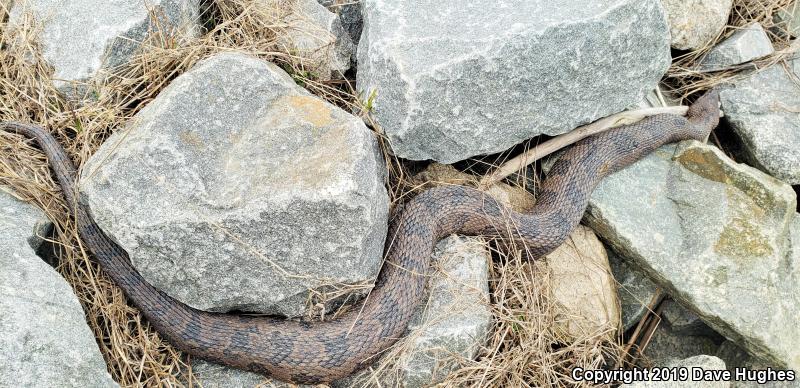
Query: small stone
[453,80]
[316,35]
[634,288]
[87,36]
[717,236]
[703,362]
[349,12]
[694,23]
[44,337]
[454,323]
[582,285]
[236,189]
[747,44]
[762,110]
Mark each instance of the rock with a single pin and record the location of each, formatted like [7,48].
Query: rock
[88,36]
[715,235]
[667,346]
[455,80]
[317,36]
[43,332]
[747,44]
[789,18]
[582,284]
[736,357]
[455,321]
[762,111]
[703,362]
[635,290]
[695,23]
[349,12]
[683,321]
[235,189]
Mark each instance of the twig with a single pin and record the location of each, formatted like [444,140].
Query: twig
[573,136]
[640,328]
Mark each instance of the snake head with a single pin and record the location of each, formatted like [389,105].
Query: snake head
[704,113]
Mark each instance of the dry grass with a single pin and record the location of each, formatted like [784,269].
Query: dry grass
[524,348]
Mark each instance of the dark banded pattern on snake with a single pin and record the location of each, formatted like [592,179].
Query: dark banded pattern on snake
[312,353]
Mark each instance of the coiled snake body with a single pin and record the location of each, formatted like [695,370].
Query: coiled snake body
[313,353]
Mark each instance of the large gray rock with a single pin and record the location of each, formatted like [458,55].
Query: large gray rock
[696,363]
[762,111]
[716,236]
[43,332]
[316,35]
[236,189]
[81,37]
[455,79]
[749,43]
[453,324]
[694,23]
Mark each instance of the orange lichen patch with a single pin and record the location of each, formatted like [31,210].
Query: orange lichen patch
[310,109]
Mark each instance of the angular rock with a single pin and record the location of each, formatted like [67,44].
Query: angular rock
[454,80]
[455,321]
[44,337]
[582,284]
[715,235]
[683,321]
[694,23]
[635,290]
[87,36]
[736,357]
[762,111]
[317,36]
[747,44]
[703,361]
[236,189]
[349,14]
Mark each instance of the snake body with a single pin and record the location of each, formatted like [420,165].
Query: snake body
[312,353]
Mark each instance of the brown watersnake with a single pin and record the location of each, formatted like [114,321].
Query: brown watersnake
[310,353]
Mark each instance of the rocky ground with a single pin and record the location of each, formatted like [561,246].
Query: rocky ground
[248,154]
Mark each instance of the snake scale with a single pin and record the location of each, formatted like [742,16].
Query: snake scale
[319,352]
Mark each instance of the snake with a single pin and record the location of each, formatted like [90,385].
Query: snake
[305,352]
